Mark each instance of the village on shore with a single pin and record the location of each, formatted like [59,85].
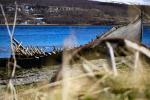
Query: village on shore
[54,14]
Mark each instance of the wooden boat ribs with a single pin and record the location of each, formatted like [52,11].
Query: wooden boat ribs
[32,51]
[35,54]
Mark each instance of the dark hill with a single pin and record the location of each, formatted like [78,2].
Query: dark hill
[111,11]
[108,8]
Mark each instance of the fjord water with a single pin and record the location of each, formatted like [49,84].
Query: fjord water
[47,36]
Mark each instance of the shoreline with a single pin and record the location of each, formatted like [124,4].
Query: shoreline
[57,25]
[69,24]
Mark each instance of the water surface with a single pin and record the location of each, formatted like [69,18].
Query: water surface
[47,36]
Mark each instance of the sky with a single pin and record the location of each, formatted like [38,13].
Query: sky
[130,2]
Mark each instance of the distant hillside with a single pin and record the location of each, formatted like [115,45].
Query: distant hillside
[92,11]
[106,7]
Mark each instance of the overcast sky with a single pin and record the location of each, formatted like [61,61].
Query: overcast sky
[137,2]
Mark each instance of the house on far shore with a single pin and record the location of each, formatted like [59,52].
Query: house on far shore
[26,8]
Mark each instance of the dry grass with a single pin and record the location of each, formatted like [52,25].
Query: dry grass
[94,80]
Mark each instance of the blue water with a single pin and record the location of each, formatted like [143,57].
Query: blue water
[46,36]
[146,36]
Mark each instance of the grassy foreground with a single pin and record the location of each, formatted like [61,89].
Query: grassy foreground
[88,81]
[116,78]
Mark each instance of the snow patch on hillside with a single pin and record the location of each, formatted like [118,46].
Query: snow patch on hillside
[129,2]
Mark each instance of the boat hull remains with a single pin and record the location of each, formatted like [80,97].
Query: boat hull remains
[36,57]
[132,32]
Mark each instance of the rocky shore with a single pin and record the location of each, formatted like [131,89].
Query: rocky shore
[33,75]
